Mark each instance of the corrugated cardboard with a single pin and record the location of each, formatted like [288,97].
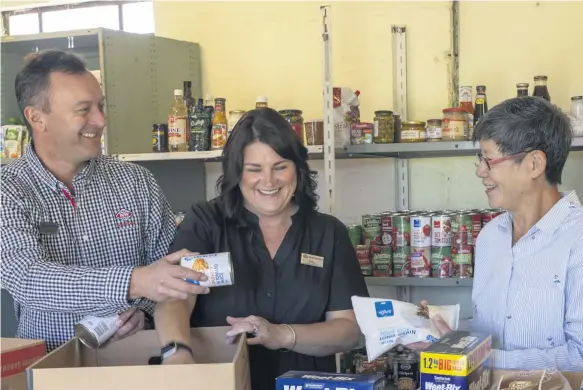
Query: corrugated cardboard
[17,355]
[123,365]
[574,378]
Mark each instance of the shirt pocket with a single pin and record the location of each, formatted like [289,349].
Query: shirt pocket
[535,318]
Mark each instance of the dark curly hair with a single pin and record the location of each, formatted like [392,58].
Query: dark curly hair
[267,126]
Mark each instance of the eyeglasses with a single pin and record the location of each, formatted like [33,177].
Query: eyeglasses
[490,162]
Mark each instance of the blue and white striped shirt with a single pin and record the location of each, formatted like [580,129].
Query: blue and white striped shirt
[530,296]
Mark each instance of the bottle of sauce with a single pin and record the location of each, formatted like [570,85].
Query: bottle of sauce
[521,89]
[261,102]
[188,99]
[177,136]
[220,125]
[465,95]
[481,107]
[540,88]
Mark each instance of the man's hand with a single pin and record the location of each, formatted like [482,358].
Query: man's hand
[441,326]
[129,322]
[164,280]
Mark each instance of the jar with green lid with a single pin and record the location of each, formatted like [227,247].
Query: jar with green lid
[413,131]
[384,127]
[295,119]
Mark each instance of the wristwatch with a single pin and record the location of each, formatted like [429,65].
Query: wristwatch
[173,347]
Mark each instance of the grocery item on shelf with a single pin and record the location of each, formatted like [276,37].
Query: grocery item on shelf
[387,323]
[234,117]
[219,132]
[455,124]
[522,89]
[159,137]
[314,132]
[346,112]
[261,102]
[419,243]
[384,127]
[15,139]
[296,120]
[540,87]
[177,136]
[465,96]
[481,107]
[413,131]
[298,380]
[459,361]
[576,115]
[361,133]
[434,130]
[200,118]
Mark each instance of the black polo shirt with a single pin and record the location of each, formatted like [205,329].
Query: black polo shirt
[281,290]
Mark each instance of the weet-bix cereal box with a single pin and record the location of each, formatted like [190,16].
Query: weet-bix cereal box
[457,361]
[307,380]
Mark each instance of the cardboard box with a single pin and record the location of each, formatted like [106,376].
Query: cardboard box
[457,361]
[307,380]
[575,379]
[16,356]
[123,365]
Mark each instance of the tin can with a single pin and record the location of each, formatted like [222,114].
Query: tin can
[160,137]
[461,228]
[401,230]
[421,262]
[476,216]
[95,331]
[371,229]
[355,234]
[420,230]
[402,261]
[406,372]
[441,230]
[363,254]
[382,260]
[441,262]
[490,214]
[462,260]
[387,228]
[366,269]
[216,266]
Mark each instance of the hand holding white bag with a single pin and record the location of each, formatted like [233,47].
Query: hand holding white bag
[387,323]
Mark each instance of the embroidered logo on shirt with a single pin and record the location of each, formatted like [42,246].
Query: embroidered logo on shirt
[124,218]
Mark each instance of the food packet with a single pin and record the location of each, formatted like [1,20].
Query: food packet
[387,323]
[534,380]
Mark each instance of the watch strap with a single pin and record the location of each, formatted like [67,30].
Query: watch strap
[173,347]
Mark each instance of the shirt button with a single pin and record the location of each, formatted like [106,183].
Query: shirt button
[509,317]
[269,295]
[532,237]
[85,237]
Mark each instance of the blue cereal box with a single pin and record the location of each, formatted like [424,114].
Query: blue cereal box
[308,380]
[458,361]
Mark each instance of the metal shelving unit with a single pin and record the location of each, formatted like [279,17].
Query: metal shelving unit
[419,282]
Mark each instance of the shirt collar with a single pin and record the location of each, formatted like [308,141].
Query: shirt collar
[553,219]
[48,178]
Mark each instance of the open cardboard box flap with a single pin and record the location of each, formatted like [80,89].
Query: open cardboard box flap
[124,365]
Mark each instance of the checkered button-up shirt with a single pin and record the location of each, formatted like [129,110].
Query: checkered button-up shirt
[68,255]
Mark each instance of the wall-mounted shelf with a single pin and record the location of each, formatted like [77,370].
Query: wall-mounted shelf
[427,149]
[206,155]
[418,282]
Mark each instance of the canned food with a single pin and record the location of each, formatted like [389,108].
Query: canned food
[488,215]
[371,229]
[461,227]
[402,261]
[441,230]
[421,262]
[95,331]
[387,229]
[355,234]
[407,372]
[401,230]
[160,137]
[382,260]
[441,262]
[216,266]
[366,269]
[462,260]
[420,231]
[363,254]
[476,216]
[361,133]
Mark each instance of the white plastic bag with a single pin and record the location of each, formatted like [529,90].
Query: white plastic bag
[387,323]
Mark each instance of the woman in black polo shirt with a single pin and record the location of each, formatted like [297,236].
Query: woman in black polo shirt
[300,314]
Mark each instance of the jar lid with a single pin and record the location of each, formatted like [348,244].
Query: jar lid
[290,112]
[383,112]
[522,85]
[434,121]
[416,123]
[577,98]
[178,92]
[541,78]
[261,99]
[237,112]
[454,109]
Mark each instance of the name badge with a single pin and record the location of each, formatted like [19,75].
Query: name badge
[312,260]
[49,228]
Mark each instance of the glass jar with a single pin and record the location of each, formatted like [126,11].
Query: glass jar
[434,131]
[577,115]
[540,88]
[384,127]
[413,131]
[521,89]
[295,119]
[234,116]
[454,124]
[314,132]
[397,120]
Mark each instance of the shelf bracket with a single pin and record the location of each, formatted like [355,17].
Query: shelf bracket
[328,109]
[402,183]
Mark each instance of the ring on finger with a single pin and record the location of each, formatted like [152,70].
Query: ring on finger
[255,332]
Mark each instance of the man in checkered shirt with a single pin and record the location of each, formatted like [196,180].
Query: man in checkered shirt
[82,234]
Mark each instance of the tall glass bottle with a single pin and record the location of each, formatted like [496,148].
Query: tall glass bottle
[220,124]
[465,96]
[177,136]
[540,88]
[481,106]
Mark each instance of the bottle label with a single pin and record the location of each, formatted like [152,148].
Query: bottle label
[176,131]
[218,136]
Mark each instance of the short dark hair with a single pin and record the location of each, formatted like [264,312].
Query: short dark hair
[528,123]
[269,127]
[32,82]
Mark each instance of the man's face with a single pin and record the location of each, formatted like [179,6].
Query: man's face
[73,126]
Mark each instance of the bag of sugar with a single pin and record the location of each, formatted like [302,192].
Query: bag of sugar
[387,323]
